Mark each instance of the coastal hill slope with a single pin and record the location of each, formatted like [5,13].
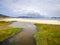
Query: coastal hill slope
[3,16]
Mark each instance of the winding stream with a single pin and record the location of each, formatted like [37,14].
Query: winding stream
[25,37]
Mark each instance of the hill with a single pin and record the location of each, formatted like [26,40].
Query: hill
[31,15]
[3,16]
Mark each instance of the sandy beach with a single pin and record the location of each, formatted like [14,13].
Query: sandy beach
[40,21]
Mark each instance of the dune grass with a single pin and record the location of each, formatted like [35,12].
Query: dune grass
[47,34]
[5,34]
[6,31]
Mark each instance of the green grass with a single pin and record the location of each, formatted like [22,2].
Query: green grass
[5,34]
[47,34]
[6,31]
[4,22]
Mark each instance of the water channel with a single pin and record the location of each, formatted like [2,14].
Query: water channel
[26,37]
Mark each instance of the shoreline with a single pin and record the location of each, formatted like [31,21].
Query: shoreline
[39,21]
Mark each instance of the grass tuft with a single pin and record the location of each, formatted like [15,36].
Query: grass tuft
[47,34]
[5,34]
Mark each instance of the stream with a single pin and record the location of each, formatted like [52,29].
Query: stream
[26,37]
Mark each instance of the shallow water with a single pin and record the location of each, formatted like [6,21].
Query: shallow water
[25,37]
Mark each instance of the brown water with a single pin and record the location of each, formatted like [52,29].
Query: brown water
[26,36]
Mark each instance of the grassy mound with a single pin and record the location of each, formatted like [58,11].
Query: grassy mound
[6,31]
[5,34]
[47,34]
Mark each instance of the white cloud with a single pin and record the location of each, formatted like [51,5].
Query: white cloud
[44,7]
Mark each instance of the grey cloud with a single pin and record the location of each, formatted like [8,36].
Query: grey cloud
[46,7]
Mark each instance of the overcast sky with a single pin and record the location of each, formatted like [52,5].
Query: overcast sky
[43,7]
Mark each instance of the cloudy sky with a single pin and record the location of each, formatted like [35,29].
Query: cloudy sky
[17,7]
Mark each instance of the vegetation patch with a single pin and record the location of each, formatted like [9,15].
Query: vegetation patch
[47,34]
[6,31]
[4,25]
[5,34]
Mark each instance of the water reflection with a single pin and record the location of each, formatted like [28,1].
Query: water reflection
[25,37]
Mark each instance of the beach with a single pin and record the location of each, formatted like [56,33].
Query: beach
[39,21]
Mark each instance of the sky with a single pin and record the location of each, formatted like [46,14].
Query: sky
[43,7]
